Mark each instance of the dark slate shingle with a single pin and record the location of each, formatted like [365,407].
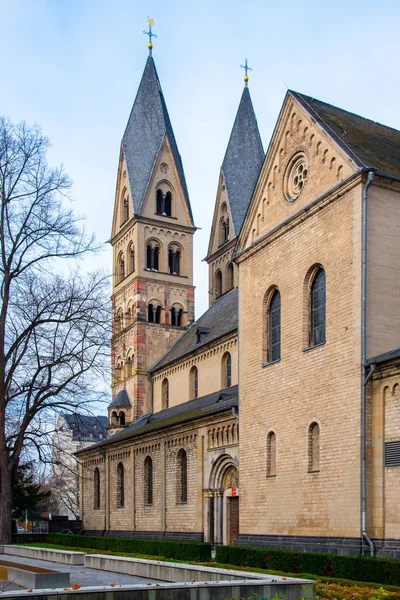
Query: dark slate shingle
[369,144]
[86,427]
[147,125]
[220,319]
[243,160]
[121,399]
[214,403]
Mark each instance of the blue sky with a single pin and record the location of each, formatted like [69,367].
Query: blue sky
[74,66]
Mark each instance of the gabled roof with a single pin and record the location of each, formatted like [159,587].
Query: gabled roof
[219,320]
[243,160]
[86,427]
[367,143]
[121,399]
[148,124]
[188,411]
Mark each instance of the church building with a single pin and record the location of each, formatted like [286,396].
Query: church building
[274,419]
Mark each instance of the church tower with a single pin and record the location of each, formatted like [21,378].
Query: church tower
[152,240]
[240,169]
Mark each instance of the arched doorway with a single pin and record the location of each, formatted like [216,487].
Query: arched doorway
[223,501]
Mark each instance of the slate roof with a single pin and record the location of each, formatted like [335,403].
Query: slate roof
[121,399]
[368,143]
[147,126]
[86,427]
[221,318]
[243,160]
[194,409]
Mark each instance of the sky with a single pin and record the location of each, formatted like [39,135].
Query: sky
[74,66]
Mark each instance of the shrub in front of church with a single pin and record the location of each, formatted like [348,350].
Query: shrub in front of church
[198,552]
[356,568]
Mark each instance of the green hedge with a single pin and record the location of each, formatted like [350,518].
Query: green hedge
[356,568]
[29,538]
[178,550]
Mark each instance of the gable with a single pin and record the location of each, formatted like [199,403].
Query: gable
[165,178]
[303,162]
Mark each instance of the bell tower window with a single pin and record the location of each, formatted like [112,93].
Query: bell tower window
[152,256]
[174,260]
[164,203]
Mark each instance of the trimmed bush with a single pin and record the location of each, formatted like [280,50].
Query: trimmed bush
[179,550]
[356,568]
[29,538]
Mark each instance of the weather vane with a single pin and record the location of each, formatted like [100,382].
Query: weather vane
[150,34]
[246,68]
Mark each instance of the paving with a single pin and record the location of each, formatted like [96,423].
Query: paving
[79,574]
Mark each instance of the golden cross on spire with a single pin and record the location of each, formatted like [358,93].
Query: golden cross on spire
[246,68]
[150,34]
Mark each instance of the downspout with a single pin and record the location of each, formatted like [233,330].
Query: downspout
[364,376]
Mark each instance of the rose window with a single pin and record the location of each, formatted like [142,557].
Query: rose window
[296,177]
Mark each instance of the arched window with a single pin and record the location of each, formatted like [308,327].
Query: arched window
[174,260]
[194,383]
[129,364]
[152,257]
[131,258]
[225,230]
[168,204]
[96,490]
[274,327]
[318,308]
[121,268]
[119,369]
[164,203]
[229,277]
[154,313]
[124,206]
[126,209]
[120,485]
[176,316]
[148,480]
[218,283]
[114,419]
[165,393]
[159,202]
[122,418]
[119,321]
[313,447]
[271,454]
[226,370]
[182,475]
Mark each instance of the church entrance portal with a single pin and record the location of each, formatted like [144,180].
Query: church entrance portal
[222,500]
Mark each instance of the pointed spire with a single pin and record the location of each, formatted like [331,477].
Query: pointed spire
[147,126]
[243,160]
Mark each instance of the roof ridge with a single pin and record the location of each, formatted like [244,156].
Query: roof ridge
[350,112]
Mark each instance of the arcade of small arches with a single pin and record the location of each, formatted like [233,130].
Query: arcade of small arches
[117,419]
[155,313]
[154,260]
[124,368]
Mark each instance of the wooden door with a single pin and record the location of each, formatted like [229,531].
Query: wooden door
[233,519]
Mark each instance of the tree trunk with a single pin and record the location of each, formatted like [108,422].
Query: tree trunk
[6,501]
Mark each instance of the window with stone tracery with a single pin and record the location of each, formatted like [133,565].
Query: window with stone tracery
[164,203]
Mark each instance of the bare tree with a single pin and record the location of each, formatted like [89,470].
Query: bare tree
[54,318]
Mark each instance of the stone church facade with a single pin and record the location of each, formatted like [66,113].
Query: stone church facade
[274,419]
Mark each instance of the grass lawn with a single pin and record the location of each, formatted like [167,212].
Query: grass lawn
[328,588]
